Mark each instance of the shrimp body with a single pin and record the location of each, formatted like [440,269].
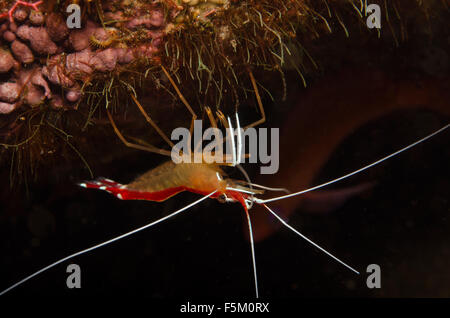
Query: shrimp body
[169,179]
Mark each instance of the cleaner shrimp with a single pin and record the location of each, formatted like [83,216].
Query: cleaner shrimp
[209,181]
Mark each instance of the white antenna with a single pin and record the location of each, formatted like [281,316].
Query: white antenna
[252,244]
[104,243]
[309,241]
[260,201]
[233,146]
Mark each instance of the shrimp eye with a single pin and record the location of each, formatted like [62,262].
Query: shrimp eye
[222,198]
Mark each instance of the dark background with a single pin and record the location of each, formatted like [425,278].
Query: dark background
[401,224]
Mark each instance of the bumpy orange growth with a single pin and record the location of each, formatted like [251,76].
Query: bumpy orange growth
[19,2]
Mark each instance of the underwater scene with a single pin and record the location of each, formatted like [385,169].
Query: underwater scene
[243,149]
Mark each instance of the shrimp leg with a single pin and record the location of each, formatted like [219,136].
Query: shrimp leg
[151,122]
[148,148]
[258,99]
[185,102]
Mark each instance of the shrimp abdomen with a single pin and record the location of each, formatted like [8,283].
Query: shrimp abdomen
[123,193]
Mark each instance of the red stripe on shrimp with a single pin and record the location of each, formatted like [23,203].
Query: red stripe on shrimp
[121,192]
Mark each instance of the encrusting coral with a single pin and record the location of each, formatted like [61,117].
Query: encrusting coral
[20,15]
[65,57]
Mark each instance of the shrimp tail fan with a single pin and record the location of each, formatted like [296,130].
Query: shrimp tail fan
[104,184]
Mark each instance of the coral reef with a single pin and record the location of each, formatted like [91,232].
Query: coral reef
[67,58]
[20,14]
